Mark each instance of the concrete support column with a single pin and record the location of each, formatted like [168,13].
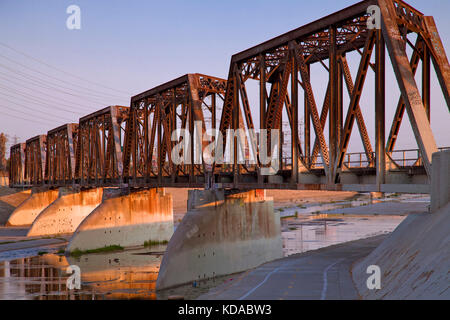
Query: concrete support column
[126,219]
[66,213]
[221,234]
[26,213]
[440,180]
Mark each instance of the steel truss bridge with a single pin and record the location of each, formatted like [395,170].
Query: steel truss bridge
[131,146]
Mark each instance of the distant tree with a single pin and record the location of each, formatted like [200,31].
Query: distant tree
[3,141]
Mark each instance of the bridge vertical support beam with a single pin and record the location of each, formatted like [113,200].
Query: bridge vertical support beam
[191,142]
[408,87]
[340,102]
[262,101]
[380,106]
[221,234]
[307,124]
[334,104]
[160,140]
[294,117]
[426,81]
[235,126]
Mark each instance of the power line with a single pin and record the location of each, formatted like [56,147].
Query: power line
[46,82]
[40,111]
[44,86]
[73,104]
[21,118]
[36,100]
[50,76]
[60,70]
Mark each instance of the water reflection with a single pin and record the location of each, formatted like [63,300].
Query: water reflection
[305,233]
[122,275]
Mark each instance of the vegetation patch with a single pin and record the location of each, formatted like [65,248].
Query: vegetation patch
[150,243]
[8,242]
[77,252]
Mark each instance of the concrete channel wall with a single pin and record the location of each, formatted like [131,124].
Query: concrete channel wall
[126,219]
[27,211]
[221,234]
[66,213]
[414,259]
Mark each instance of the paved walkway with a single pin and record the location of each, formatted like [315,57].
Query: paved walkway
[319,274]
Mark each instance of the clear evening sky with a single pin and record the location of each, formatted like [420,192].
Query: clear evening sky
[132,46]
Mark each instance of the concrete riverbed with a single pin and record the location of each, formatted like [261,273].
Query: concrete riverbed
[318,229]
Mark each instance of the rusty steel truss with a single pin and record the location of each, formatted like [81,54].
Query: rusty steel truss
[60,159]
[120,146]
[35,157]
[155,114]
[99,147]
[17,164]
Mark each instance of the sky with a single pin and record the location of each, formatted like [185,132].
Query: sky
[50,75]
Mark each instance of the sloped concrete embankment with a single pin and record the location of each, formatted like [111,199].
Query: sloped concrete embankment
[221,234]
[415,259]
[126,219]
[65,214]
[27,211]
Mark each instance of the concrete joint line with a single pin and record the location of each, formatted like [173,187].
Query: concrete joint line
[264,281]
[325,279]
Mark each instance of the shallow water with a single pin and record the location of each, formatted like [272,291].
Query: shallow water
[132,274]
[129,274]
[313,232]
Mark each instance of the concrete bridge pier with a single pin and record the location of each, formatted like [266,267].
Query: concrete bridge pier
[221,234]
[27,211]
[66,213]
[127,219]
[440,180]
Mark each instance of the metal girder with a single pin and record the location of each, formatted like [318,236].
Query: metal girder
[323,120]
[440,59]
[35,155]
[405,78]
[399,112]
[357,10]
[355,98]
[99,146]
[313,109]
[60,160]
[154,114]
[277,98]
[358,114]
[17,165]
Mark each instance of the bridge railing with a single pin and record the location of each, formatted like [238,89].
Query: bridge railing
[402,158]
